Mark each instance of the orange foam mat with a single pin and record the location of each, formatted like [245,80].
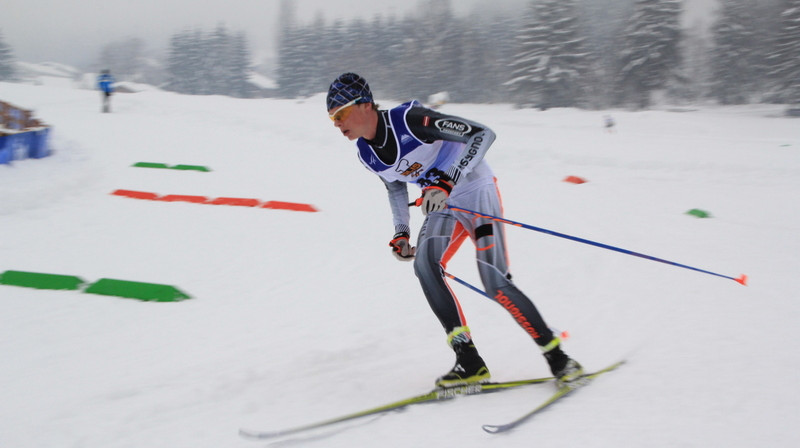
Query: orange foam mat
[135,194]
[290,206]
[241,202]
[183,198]
[575,180]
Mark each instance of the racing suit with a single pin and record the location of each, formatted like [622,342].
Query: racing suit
[414,144]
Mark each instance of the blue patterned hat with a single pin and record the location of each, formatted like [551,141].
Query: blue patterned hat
[348,87]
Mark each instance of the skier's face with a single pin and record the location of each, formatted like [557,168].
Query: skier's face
[353,120]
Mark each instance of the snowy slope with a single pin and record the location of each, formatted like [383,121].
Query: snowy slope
[303,316]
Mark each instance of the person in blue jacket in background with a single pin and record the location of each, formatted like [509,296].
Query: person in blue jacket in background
[105,82]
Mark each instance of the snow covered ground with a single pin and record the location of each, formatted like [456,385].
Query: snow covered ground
[297,317]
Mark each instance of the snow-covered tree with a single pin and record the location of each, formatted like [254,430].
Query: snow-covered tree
[736,59]
[123,57]
[295,73]
[650,53]
[694,75]
[240,68]
[184,63]
[215,63]
[783,60]
[488,48]
[552,64]
[7,71]
[603,22]
[297,48]
[433,54]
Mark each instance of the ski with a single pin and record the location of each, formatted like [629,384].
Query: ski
[438,394]
[559,394]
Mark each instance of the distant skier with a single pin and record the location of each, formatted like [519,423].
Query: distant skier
[105,82]
[443,155]
[609,123]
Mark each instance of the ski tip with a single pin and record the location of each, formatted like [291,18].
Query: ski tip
[247,434]
[742,279]
[492,429]
[254,435]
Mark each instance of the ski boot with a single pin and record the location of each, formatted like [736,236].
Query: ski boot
[567,371]
[469,367]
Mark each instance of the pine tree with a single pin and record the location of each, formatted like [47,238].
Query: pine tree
[695,72]
[570,62]
[735,62]
[124,58]
[7,72]
[432,56]
[178,68]
[195,60]
[295,76]
[650,51]
[528,68]
[603,22]
[239,78]
[783,61]
[552,64]
[488,50]
[215,63]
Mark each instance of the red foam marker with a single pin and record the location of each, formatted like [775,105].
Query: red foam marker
[575,180]
[241,202]
[135,194]
[184,198]
[289,206]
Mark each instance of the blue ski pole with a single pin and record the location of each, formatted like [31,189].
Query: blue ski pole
[562,334]
[742,279]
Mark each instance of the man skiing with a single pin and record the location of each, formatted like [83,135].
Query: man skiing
[443,155]
[105,82]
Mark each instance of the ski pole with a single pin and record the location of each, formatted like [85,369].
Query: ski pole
[474,288]
[562,334]
[742,279]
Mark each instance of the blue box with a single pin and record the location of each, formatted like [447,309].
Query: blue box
[20,144]
[40,143]
[5,149]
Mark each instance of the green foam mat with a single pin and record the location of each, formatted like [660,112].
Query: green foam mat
[699,213]
[191,168]
[41,280]
[150,165]
[174,167]
[137,290]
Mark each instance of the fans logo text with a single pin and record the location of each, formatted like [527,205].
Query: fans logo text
[454,127]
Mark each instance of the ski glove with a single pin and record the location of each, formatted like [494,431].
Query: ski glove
[401,247]
[434,196]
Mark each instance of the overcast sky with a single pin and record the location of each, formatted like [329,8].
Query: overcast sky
[74,31]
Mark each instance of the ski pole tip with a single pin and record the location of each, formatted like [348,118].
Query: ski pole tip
[742,279]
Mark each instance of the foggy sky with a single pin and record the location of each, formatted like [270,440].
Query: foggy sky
[74,31]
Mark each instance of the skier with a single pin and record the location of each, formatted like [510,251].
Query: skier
[105,82]
[609,123]
[443,155]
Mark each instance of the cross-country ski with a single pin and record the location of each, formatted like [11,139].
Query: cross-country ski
[438,394]
[562,392]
